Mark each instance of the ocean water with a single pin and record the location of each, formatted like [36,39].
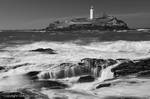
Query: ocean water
[15,50]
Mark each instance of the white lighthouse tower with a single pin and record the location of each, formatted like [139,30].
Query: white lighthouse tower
[91,13]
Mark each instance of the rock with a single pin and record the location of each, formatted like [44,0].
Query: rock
[5,69]
[33,93]
[1,68]
[124,97]
[98,62]
[103,85]
[49,84]
[87,66]
[60,97]
[125,68]
[12,95]
[33,75]
[94,67]
[128,67]
[144,74]
[88,78]
[61,71]
[46,50]
[23,94]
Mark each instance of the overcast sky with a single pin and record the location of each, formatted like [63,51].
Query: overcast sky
[28,14]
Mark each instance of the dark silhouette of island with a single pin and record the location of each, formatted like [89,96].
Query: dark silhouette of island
[105,23]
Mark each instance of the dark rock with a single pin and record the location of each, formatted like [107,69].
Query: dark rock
[48,84]
[123,60]
[98,62]
[23,94]
[144,74]
[86,79]
[103,85]
[46,50]
[11,95]
[125,68]
[1,68]
[128,67]
[5,69]
[124,97]
[143,64]
[20,65]
[33,94]
[33,75]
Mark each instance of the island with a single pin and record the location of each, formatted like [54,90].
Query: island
[101,23]
[104,22]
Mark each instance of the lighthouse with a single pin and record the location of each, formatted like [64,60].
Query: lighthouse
[91,13]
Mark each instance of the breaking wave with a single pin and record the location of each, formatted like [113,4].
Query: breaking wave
[121,46]
[69,52]
[114,46]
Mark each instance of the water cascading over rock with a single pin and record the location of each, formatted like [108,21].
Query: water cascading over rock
[87,66]
[102,69]
[107,73]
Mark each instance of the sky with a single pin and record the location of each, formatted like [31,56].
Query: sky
[34,14]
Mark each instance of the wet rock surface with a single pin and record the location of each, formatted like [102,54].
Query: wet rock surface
[45,50]
[7,68]
[119,82]
[129,67]
[48,84]
[87,66]
[1,68]
[88,70]
[32,75]
[103,85]
[86,79]
[96,68]
[23,94]
[12,95]
[124,97]
[145,73]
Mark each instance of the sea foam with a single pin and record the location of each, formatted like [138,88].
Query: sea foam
[69,52]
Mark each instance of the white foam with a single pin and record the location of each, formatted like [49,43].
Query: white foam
[107,73]
[71,52]
[121,46]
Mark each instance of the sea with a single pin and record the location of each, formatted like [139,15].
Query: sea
[70,47]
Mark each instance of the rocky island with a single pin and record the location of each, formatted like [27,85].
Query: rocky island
[105,22]
[100,23]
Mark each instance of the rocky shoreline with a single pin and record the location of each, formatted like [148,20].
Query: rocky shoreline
[93,67]
[87,70]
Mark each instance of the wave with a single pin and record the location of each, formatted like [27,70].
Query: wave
[71,52]
[121,46]
[114,46]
